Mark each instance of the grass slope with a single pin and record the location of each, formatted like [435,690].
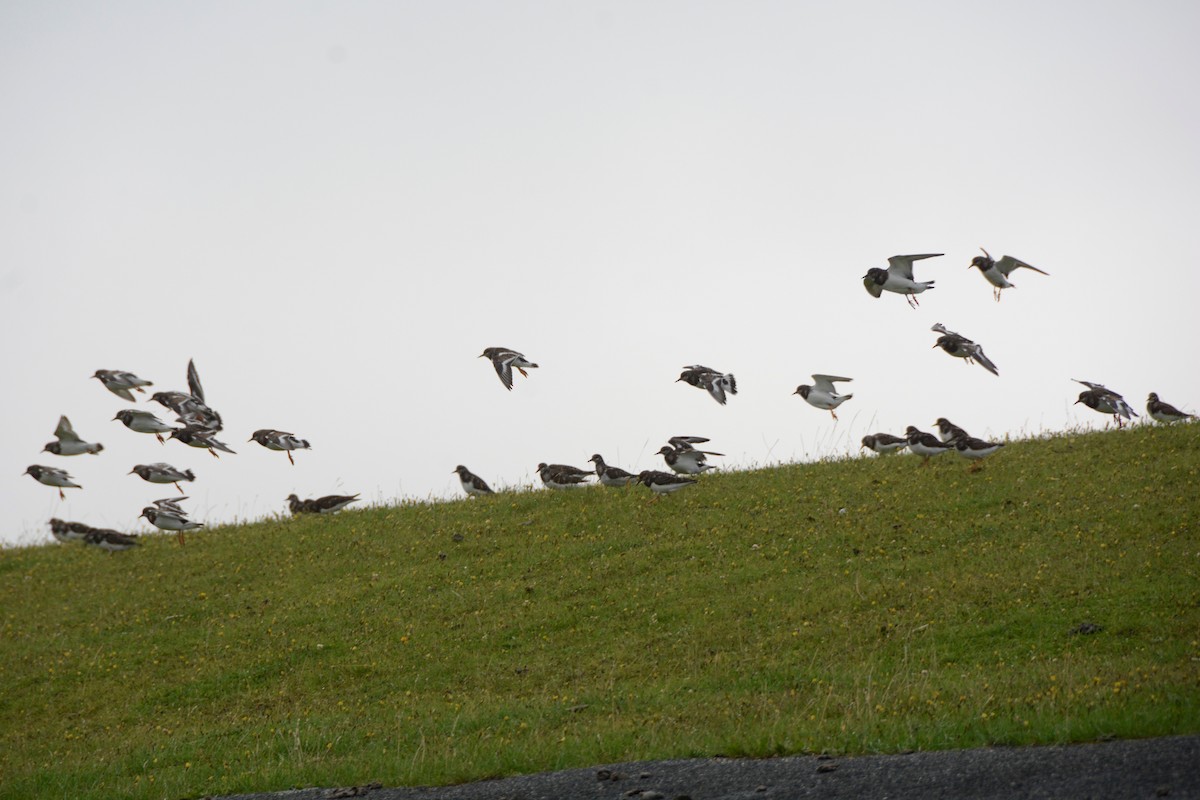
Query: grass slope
[868,605]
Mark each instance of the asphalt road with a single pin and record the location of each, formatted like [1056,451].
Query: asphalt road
[1120,770]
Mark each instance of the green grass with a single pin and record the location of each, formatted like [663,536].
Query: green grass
[747,616]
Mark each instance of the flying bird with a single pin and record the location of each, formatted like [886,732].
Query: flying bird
[200,437]
[49,476]
[884,443]
[610,475]
[713,381]
[279,440]
[898,278]
[504,360]
[158,472]
[1106,401]
[1162,412]
[472,484]
[143,422]
[69,443]
[822,394]
[119,383]
[997,272]
[960,346]
[169,520]
[322,505]
[664,482]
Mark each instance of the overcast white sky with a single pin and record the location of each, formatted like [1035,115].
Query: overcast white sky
[334,207]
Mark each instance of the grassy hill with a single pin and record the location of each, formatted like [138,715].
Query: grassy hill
[869,605]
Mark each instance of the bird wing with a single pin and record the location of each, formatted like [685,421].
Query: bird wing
[716,388]
[503,367]
[1008,264]
[874,288]
[984,361]
[64,432]
[1099,387]
[194,382]
[824,383]
[903,265]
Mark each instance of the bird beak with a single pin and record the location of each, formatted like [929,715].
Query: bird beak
[677,380]
[129,473]
[1077,402]
[935,345]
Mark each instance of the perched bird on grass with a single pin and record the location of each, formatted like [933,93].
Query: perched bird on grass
[1162,412]
[822,393]
[610,475]
[884,443]
[279,440]
[664,482]
[143,422]
[562,476]
[685,462]
[960,346]
[1106,401]
[111,540]
[119,383]
[168,520]
[328,504]
[69,443]
[472,484]
[975,449]
[713,381]
[925,444]
[49,476]
[68,531]
[997,272]
[505,360]
[158,472]
[898,278]
[948,431]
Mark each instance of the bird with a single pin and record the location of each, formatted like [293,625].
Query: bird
[322,505]
[68,531]
[50,476]
[975,449]
[713,381]
[689,443]
[948,431]
[562,476]
[822,394]
[169,520]
[610,475]
[1162,412]
[1106,401]
[960,346]
[925,444]
[472,484]
[504,359]
[191,407]
[663,482]
[143,422]
[279,440]
[686,462]
[200,437]
[69,443]
[110,540]
[884,443]
[898,277]
[119,383]
[997,272]
[158,472]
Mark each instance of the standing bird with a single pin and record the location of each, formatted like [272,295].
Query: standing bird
[110,540]
[49,476]
[279,440]
[884,443]
[504,359]
[822,393]
[1162,412]
[960,346]
[143,422]
[472,484]
[158,472]
[713,381]
[1106,401]
[68,531]
[898,278]
[119,383]
[322,505]
[610,475]
[925,444]
[562,476]
[664,482]
[169,520]
[997,272]
[686,462]
[69,443]
[948,431]
[975,449]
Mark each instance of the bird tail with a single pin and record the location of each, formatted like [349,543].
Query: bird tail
[928,284]
[188,475]
[731,382]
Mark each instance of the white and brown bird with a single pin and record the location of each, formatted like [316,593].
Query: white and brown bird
[69,443]
[111,540]
[884,443]
[822,394]
[169,520]
[472,484]
[610,475]
[158,472]
[925,444]
[50,476]
[975,449]
[997,272]
[960,346]
[505,360]
[201,438]
[328,504]
[119,383]
[686,462]
[68,531]
[143,422]
[664,482]
[1164,412]
[562,476]
[279,440]
[718,384]
[948,431]
[898,278]
[1106,401]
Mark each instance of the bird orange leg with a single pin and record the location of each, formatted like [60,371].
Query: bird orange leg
[180,488]
[523,372]
[179,537]
[289,455]
[833,414]
[213,453]
[160,439]
[61,495]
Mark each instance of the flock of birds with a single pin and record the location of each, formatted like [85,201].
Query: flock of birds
[198,424]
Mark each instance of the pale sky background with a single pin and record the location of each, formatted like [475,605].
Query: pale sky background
[334,207]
